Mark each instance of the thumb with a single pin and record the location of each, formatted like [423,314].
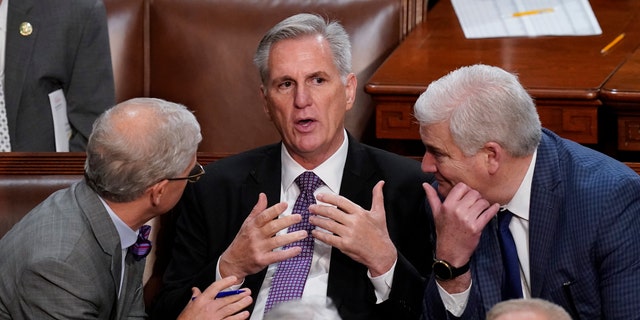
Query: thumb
[377,199]
[432,197]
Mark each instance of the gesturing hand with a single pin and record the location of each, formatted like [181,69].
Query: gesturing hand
[360,234]
[252,248]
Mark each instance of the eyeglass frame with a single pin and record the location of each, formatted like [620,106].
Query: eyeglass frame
[192,177]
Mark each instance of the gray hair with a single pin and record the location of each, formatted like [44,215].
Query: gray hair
[309,308]
[137,143]
[482,103]
[306,24]
[548,309]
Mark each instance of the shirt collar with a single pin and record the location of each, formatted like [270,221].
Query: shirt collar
[127,235]
[519,204]
[330,171]
[4,7]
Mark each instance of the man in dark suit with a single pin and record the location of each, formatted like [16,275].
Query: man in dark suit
[573,213]
[370,263]
[74,256]
[55,49]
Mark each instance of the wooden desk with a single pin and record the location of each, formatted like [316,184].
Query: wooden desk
[622,94]
[563,74]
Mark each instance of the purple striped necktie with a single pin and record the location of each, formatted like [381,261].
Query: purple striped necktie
[142,247]
[291,275]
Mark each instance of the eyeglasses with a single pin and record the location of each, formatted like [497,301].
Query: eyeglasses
[194,175]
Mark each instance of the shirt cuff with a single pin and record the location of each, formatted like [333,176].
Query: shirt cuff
[382,283]
[219,276]
[455,303]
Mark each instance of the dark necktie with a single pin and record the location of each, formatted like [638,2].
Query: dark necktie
[142,247]
[511,286]
[291,275]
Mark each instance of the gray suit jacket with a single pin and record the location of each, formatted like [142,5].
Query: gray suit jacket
[63,261]
[69,50]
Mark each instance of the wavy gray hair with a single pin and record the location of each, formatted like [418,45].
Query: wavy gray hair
[482,103]
[305,24]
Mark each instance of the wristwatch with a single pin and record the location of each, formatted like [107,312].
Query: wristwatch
[445,271]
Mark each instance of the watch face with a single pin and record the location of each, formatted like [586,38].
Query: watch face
[442,270]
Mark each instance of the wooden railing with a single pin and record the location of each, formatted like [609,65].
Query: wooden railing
[413,13]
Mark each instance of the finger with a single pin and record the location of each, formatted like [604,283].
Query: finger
[195,292]
[432,198]
[340,202]
[286,238]
[325,211]
[488,214]
[274,226]
[218,286]
[269,214]
[329,224]
[377,200]
[260,205]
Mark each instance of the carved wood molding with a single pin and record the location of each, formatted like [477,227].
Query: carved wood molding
[60,163]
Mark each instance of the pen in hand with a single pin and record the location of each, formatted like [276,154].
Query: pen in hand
[223,294]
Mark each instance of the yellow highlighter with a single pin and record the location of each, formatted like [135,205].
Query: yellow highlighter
[532,12]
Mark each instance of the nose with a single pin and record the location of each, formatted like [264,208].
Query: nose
[302,97]
[428,163]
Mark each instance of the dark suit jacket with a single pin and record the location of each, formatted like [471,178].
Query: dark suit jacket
[213,209]
[584,231]
[63,261]
[69,50]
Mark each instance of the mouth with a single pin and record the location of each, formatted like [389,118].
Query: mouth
[305,125]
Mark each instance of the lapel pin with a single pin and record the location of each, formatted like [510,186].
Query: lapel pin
[26,29]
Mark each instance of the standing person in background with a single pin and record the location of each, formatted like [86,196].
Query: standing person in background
[569,222]
[52,52]
[80,254]
[249,214]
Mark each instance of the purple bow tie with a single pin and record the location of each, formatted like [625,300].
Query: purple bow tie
[142,247]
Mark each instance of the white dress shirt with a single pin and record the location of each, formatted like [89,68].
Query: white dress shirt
[330,172]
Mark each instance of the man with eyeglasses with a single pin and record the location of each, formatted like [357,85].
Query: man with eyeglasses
[80,254]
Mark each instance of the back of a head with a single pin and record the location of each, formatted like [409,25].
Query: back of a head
[320,308]
[138,143]
[482,103]
[306,24]
[527,309]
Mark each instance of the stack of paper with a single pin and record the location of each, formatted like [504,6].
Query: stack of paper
[517,18]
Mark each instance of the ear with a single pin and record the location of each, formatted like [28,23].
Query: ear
[351,87]
[264,101]
[494,154]
[157,191]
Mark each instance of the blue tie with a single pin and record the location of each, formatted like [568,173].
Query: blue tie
[511,286]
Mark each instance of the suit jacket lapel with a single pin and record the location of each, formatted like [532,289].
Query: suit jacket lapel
[487,267]
[19,50]
[104,231]
[356,186]
[264,177]
[544,211]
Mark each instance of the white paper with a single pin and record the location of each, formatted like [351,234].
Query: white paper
[61,127]
[518,18]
